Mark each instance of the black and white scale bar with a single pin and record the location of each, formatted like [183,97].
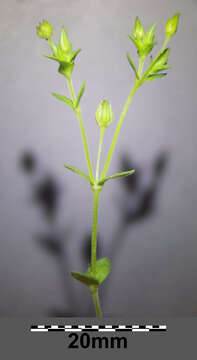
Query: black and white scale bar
[98,328]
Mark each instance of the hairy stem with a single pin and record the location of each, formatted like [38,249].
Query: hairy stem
[83,133]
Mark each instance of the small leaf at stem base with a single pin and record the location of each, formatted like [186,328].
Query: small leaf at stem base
[84,278]
[102,270]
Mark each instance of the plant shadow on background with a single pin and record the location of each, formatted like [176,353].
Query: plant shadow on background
[139,201]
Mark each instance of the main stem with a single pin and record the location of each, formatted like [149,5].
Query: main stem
[95,298]
[83,133]
[94,291]
[96,192]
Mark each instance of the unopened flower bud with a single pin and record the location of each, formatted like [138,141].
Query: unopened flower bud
[172,25]
[138,30]
[44,30]
[104,114]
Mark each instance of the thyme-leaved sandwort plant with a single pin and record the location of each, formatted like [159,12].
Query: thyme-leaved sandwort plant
[64,54]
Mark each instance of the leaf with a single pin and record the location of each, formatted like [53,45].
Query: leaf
[74,54]
[50,57]
[134,41]
[115,176]
[155,76]
[102,270]
[64,99]
[132,65]
[159,62]
[80,94]
[79,172]
[85,278]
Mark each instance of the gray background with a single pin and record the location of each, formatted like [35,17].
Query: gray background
[155,270]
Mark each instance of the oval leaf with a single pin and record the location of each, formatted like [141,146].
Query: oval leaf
[102,270]
[85,278]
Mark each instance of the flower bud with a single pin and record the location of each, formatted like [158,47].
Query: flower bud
[64,43]
[172,25]
[44,30]
[104,114]
[138,30]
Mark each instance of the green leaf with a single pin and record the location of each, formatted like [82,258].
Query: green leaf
[159,62]
[133,66]
[155,76]
[80,94]
[64,99]
[74,54]
[118,175]
[79,172]
[85,278]
[50,57]
[136,43]
[102,270]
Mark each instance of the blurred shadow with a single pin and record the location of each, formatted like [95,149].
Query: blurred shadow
[46,195]
[137,202]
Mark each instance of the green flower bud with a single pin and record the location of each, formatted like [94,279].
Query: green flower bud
[104,114]
[64,43]
[138,30]
[172,25]
[44,30]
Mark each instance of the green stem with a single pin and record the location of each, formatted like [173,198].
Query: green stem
[95,298]
[115,137]
[96,192]
[94,290]
[99,153]
[137,83]
[83,133]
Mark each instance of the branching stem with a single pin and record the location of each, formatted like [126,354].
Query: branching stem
[83,133]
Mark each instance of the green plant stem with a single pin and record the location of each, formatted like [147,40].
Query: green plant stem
[95,298]
[96,192]
[118,127]
[137,83]
[102,130]
[83,133]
